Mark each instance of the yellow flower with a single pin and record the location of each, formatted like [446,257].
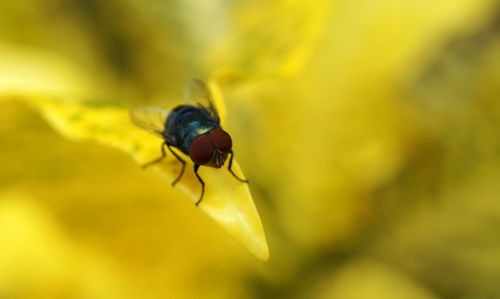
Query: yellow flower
[367,129]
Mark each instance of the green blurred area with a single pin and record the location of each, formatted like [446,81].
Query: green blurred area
[368,130]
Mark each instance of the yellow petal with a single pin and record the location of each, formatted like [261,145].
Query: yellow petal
[261,41]
[226,200]
[37,70]
[229,202]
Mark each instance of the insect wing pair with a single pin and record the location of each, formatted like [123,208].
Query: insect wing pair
[193,128]
[153,119]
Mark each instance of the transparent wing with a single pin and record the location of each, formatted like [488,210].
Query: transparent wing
[150,118]
[198,94]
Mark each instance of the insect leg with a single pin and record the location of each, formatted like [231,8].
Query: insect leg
[231,171]
[182,161]
[158,159]
[196,166]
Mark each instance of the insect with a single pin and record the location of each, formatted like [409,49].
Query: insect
[193,128]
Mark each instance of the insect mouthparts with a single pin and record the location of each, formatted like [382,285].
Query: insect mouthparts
[218,160]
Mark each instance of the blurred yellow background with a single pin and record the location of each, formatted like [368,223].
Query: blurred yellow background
[368,131]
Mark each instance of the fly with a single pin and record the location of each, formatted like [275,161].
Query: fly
[193,128]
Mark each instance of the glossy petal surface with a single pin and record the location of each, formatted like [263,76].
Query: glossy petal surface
[226,200]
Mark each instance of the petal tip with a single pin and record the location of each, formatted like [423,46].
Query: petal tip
[262,253]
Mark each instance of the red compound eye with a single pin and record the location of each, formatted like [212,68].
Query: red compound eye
[221,140]
[202,150]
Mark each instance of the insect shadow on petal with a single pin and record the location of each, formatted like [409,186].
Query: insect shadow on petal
[193,128]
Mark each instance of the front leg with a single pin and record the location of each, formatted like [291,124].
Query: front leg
[196,167]
[231,171]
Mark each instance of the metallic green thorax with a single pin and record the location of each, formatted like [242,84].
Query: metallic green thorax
[185,123]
